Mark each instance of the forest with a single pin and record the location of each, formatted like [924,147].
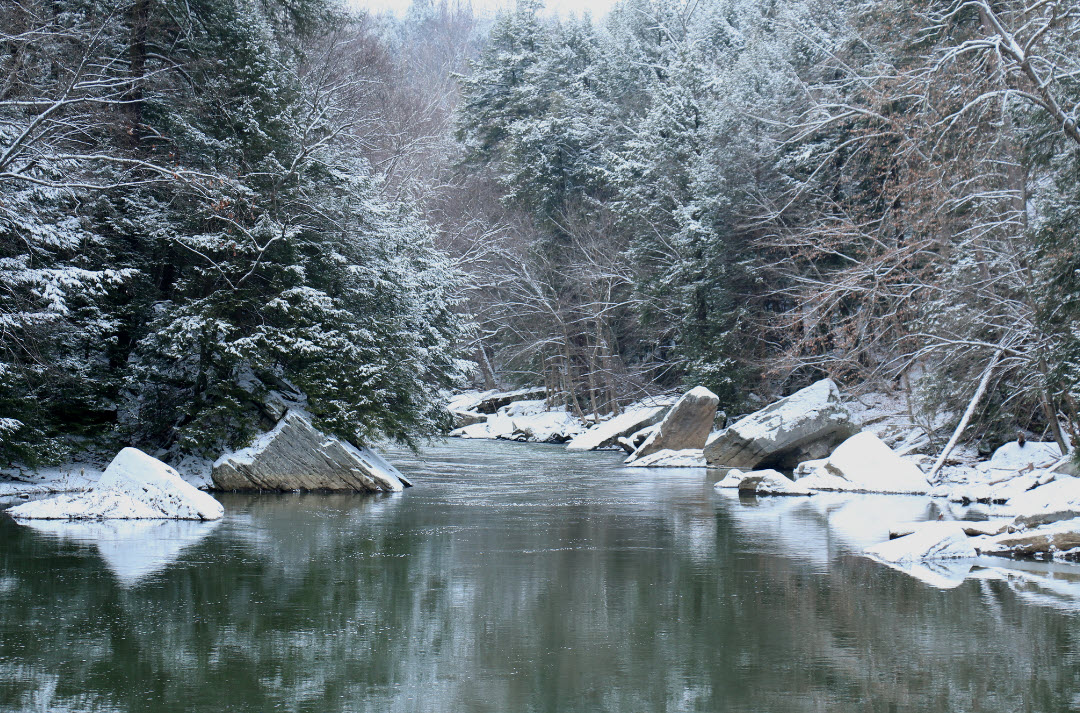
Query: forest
[204,201]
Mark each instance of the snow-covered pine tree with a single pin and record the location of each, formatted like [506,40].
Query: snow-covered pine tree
[211,232]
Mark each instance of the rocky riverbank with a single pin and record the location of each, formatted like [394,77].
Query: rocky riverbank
[816,441]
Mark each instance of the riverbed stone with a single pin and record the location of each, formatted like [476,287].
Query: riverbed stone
[804,426]
[686,426]
[295,456]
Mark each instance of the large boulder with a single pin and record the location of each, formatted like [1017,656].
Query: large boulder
[606,434]
[135,486]
[863,463]
[686,426]
[295,456]
[806,425]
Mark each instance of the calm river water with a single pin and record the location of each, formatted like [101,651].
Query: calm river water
[519,578]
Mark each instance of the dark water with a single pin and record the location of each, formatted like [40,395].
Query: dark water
[523,578]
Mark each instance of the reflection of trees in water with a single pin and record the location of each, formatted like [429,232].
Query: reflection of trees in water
[329,603]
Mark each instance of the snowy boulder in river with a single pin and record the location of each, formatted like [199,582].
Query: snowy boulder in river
[770,482]
[686,426]
[295,456]
[135,486]
[606,434]
[930,541]
[803,426]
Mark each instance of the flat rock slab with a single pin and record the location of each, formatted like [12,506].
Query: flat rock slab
[689,458]
[806,425]
[296,456]
[606,434]
[686,427]
[135,486]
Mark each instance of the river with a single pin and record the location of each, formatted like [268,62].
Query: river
[519,578]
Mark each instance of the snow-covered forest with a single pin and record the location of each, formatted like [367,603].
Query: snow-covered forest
[205,201]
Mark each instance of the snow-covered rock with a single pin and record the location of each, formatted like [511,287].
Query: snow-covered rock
[686,426]
[467,418]
[730,481]
[770,482]
[134,486]
[687,458]
[632,442]
[800,427]
[606,434]
[295,456]
[546,427]
[930,541]
[863,463]
[529,420]
[491,401]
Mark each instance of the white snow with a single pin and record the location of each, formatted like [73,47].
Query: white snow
[688,458]
[1060,495]
[1013,456]
[134,486]
[931,541]
[525,421]
[863,463]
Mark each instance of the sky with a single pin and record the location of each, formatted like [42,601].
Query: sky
[598,8]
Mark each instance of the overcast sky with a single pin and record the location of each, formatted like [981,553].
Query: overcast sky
[598,8]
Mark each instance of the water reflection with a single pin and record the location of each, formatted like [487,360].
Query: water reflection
[131,549]
[522,578]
